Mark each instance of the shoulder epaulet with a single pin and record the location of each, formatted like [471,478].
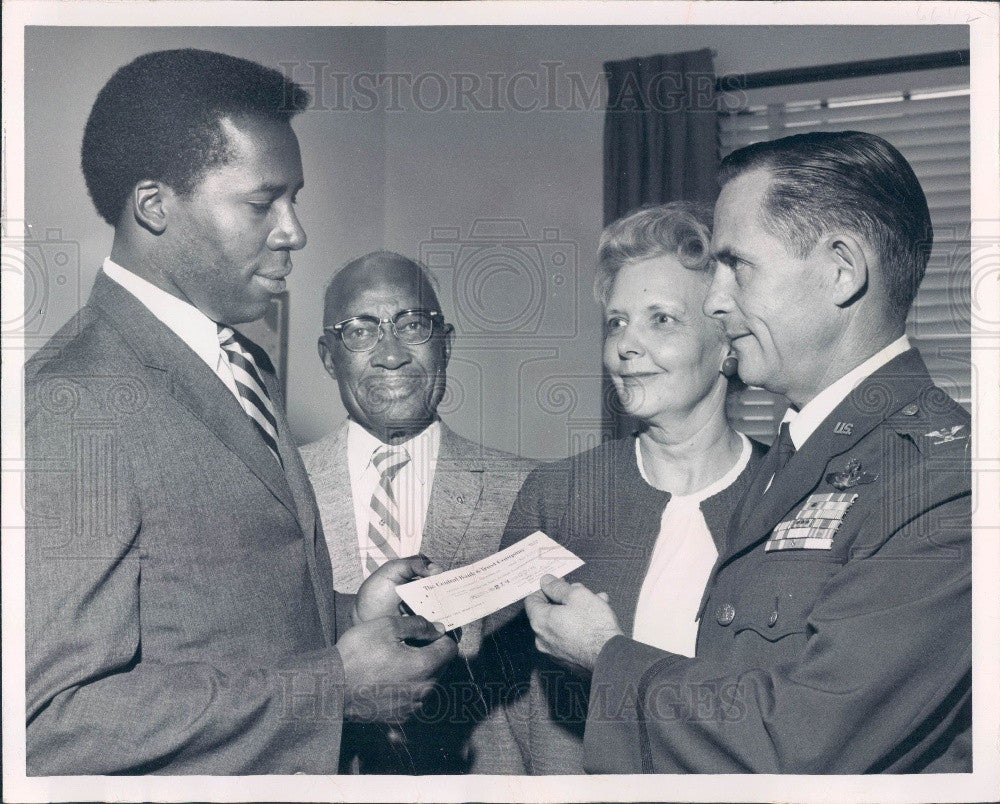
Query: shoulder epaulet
[935,423]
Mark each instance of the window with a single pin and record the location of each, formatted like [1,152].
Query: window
[931,129]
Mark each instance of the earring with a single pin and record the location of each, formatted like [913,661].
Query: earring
[730,366]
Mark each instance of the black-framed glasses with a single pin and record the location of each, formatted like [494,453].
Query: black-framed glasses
[362,332]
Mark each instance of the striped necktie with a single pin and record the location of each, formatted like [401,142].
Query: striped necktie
[384,539]
[252,391]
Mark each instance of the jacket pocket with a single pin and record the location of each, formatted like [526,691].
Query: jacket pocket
[781,598]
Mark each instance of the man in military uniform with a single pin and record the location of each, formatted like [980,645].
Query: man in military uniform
[835,629]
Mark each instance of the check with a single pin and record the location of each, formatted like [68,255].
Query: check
[463,595]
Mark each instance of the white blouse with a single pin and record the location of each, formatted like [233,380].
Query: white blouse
[679,567]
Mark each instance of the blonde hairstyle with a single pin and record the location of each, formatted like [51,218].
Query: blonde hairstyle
[680,229]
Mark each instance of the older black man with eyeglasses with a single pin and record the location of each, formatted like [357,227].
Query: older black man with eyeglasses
[393,480]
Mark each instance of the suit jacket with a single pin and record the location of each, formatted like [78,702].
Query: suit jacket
[851,659]
[179,611]
[597,504]
[473,490]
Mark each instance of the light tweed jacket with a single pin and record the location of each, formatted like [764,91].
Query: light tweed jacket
[474,489]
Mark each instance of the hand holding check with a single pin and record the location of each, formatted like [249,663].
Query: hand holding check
[390,661]
[570,622]
[377,596]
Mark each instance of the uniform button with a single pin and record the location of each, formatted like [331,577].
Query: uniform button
[772,618]
[910,410]
[725,614]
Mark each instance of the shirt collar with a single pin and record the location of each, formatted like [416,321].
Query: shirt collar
[423,449]
[803,423]
[189,323]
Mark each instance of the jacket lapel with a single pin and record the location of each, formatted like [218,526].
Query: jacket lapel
[312,530]
[296,478]
[332,480]
[458,485]
[191,382]
[879,396]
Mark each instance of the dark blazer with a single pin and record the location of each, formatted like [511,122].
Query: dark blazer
[179,611]
[852,659]
[474,488]
[597,504]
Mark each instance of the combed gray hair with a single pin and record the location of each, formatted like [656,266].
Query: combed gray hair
[680,229]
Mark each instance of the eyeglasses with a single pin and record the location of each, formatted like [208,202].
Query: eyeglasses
[363,332]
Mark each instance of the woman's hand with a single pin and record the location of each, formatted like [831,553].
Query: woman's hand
[570,622]
[377,596]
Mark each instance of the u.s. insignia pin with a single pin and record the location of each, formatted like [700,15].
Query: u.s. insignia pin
[850,476]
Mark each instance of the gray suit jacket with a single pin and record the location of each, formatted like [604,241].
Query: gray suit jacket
[474,489]
[179,611]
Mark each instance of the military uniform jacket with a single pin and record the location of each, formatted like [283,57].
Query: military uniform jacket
[835,633]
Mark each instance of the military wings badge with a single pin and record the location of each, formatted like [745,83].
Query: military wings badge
[946,434]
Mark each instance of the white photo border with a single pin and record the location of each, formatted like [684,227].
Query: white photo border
[982,785]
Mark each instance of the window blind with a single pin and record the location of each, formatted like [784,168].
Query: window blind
[931,129]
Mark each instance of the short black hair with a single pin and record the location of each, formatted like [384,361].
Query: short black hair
[158,118]
[850,179]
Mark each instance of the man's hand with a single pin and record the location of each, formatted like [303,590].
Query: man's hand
[377,596]
[570,622]
[389,667]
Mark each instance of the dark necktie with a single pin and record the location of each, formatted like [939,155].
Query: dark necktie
[783,450]
[252,391]
[784,446]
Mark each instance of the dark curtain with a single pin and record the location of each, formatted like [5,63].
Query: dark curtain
[661,143]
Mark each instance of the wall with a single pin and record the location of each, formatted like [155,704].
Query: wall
[341,206]
[417,181]
[540,394]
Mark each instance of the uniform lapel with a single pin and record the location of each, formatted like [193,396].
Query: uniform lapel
[758,483]
[458,485]
[800,476]
[192,383]
[894,385]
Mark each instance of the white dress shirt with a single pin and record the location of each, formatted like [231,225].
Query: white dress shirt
[803,423]
[412,485]
[190,324]
[682,559]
